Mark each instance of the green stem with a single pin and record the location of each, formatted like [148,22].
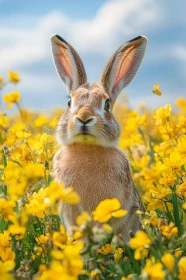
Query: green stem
[168,212]
[20,110]
[176,210]
[134,262]
[4,157]
[4,163]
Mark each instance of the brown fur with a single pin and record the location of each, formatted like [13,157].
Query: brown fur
[87,102]
[96,173]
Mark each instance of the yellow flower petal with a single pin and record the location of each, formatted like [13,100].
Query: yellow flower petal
[156,89]
[119,213]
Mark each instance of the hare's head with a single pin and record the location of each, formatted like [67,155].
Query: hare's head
[89,117]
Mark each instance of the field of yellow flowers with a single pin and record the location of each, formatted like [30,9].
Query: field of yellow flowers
[33,240]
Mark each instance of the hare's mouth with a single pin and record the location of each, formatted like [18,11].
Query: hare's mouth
[84,133]
[84,138]
[85,130]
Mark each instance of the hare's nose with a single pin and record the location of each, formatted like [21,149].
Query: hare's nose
[88,122]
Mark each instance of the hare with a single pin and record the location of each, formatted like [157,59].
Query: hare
[89,159]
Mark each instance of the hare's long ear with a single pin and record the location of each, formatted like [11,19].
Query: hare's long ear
[68,63]
[123,66]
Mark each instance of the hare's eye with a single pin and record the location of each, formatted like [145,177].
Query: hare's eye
[69,102]
[107,105]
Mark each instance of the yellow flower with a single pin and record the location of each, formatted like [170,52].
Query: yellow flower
[22,134]
[163,112]
[6,267]
[140,253]
[141,239]
[153,219]
[13,77]
[78,235]
[43,239]
[169,230]
[159,192]
[36,208]
[40,202]
[181,102]
[140,243]
[54,122]
[33,171]
[156,89]
[142,162]
[16,179]
[94,273]
[107,209]
[154,271]
[5,239]
[118,254]
[1,81]
[169,261]
[57,254]
[70,196]
[182,144]
[107,249]
[4,121]
[107,228]
[12,97]
[38,250]
[168,180]
[6,254]
[175,161]
[56,191]
[6,208]
[70,267]
[178,252]
[40,121]
[16,229]
[44,142]
[182,268]
[72,258]
[181,189]
[25,154]
[82,219]
[112,275]
[184,206]
[60,238]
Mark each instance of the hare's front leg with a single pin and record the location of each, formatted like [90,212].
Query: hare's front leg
[69,214]
[133,223]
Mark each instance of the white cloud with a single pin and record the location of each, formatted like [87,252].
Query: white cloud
[115,20]
[24,46]
[179,52]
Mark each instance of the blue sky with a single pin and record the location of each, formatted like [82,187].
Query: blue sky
[95,29]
